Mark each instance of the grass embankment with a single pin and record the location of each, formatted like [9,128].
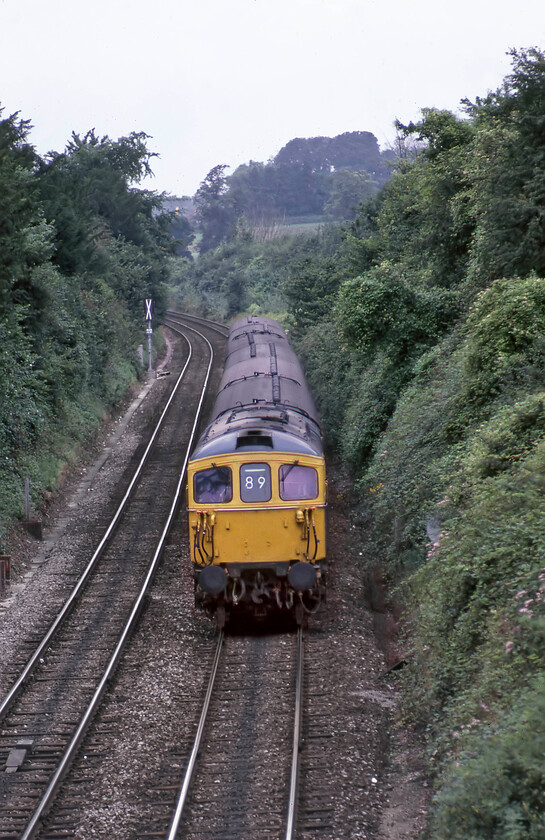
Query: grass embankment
[62,443]
[463,461]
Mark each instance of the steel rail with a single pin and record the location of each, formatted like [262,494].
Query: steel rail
[68,606]
[70,751]
[294,777]
[223,329]
[294,771]
[188,776]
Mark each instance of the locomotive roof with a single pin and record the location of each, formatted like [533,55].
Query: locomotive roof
[263,401]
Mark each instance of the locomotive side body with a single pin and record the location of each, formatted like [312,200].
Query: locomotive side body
[257,485]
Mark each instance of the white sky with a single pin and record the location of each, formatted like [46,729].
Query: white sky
[229,81]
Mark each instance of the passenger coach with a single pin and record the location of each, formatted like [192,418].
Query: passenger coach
[257,485]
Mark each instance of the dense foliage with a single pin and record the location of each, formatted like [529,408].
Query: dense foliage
[443,317]
[320,177]
[246,274]
[422,326]
[80,249]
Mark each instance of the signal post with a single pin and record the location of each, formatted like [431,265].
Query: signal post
[149,331]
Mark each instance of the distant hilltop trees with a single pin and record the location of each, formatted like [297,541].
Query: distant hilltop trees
[317,178]
[354,150]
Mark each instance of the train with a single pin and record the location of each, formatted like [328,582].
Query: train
[256,485]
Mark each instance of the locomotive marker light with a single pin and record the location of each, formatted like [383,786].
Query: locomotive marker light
[149,331]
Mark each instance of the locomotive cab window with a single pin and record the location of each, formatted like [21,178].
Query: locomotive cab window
[213,485]
[297,482]
[255,482]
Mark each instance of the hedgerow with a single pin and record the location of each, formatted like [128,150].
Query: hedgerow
[442,423]
[80,249]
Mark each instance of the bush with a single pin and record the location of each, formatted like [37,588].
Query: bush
[497,786]
[472,633]
[506,339]
[369,406]
[385,310]
[331,376]
[456,489]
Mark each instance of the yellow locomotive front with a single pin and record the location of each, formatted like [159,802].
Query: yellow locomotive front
[257,485]
[257,530]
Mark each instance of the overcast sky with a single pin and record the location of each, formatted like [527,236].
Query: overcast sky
[229,81]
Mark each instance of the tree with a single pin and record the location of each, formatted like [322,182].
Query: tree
[422,220]
[253,189]
[181,229]
[89,196]
[313,278]
[383,311]
[507,201]
[308,177]
[19,214]
[356,150]
[348,190]
[215,212]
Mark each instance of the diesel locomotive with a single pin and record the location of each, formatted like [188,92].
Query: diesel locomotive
[257,485]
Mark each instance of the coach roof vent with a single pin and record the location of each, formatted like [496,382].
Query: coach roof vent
[254,439]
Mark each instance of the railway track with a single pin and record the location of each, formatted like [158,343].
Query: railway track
[242,769]
[52,703]
[176,318]
[125,779]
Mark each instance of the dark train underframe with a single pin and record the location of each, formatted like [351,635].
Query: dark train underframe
[260,592]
